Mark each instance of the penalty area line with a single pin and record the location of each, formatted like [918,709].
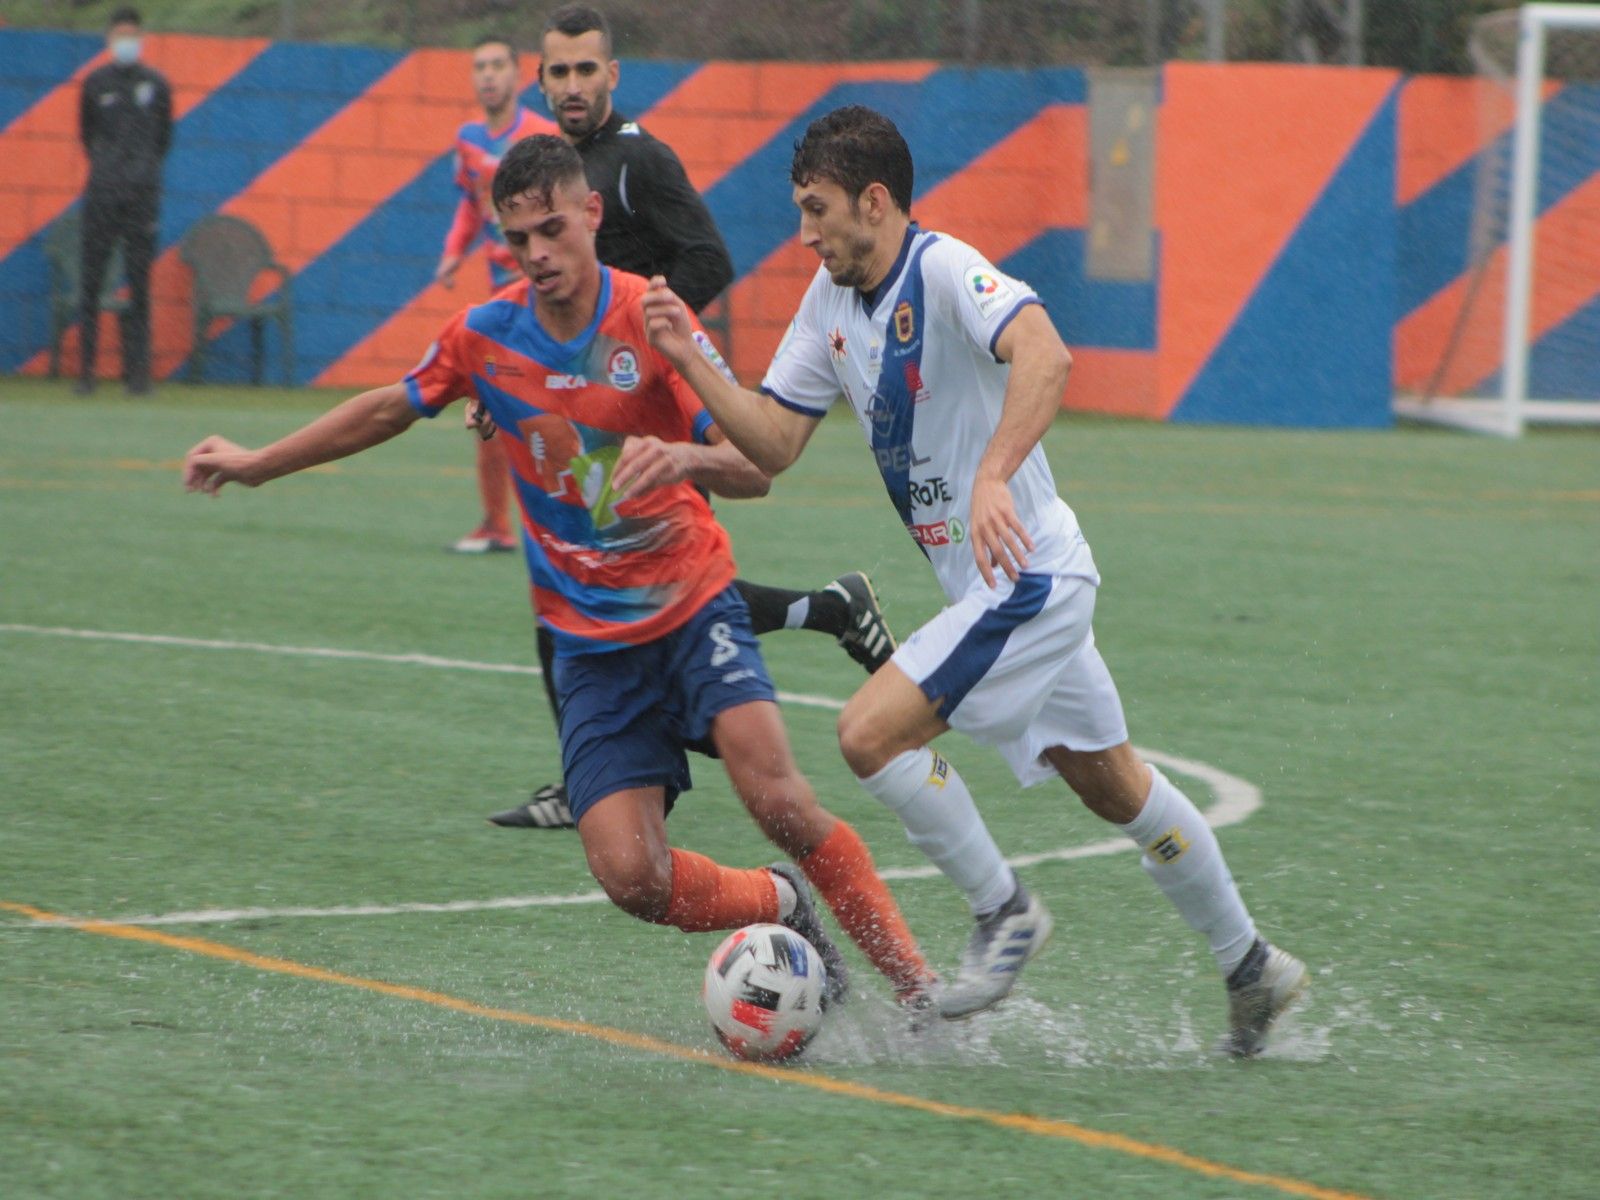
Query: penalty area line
[1047,1127]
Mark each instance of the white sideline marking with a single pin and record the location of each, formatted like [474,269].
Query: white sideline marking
[1236,798]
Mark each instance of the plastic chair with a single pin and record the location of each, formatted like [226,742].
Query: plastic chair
[226,255]
[63,248]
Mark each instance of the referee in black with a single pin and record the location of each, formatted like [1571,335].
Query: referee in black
[655,223]
[125,124]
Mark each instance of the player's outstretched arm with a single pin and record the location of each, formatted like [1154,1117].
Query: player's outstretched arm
[769,435]
[1039,365]
[648,462]
[359,423]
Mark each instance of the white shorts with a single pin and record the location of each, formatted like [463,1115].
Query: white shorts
[1016,668]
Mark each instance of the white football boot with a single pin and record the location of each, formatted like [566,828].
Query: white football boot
[995,953]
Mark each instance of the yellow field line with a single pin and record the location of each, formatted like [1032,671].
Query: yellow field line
[1021,1122]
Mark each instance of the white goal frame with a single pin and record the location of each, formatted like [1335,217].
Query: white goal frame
[1510,413]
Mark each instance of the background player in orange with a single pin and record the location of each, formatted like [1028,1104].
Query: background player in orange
[496,78]
[630,572]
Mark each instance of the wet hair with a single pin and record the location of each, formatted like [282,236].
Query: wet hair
[496,39]
[575,20]
[126,15]
[537,164]
[855,147]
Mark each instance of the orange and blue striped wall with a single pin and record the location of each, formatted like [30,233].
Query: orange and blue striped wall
[1286,267]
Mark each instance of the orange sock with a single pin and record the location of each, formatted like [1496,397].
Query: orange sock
[494,485]
[841,869]
[707,895]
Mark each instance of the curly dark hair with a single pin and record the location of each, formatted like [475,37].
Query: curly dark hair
[537,164]
[855,147]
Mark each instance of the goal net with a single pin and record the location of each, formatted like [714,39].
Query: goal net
[1525,344]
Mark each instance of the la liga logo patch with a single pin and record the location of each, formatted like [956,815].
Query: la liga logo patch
[984,284]
[622,369]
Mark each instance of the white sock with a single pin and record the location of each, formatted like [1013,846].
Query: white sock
[786,896]
[1182,855]
[795,618]
[933,803]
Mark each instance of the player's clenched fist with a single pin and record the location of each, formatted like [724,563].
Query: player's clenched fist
[647,463]
[214,462]
[666,322]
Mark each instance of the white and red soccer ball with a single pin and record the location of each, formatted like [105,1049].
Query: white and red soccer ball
[763,992]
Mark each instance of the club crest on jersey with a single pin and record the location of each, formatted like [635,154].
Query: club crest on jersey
[836,345]
[622,369]
[489,367]
[143,92]
[905,321]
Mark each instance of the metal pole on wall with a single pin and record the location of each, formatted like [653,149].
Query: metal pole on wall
[1216,17]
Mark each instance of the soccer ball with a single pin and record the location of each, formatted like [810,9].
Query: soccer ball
[763,993]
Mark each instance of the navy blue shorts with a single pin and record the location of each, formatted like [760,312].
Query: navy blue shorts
[628,715]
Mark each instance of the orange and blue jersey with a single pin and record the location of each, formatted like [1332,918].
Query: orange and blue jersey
[606,572]
[478,152]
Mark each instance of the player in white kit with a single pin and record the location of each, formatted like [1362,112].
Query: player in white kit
[954,373]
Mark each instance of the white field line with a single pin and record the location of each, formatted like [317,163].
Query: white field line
[1235,798]
[404,660]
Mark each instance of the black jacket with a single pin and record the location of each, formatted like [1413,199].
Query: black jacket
[655,222]
[125,124]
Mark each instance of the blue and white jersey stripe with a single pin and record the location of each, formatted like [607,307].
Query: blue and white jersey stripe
[915,359]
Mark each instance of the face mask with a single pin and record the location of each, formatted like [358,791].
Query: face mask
[125,50]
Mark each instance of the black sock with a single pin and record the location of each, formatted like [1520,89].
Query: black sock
[769,606]
[827,612]
[547,659]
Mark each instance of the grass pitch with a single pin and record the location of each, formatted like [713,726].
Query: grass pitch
[1394,637]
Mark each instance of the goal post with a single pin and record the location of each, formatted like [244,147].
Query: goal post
[1533,281]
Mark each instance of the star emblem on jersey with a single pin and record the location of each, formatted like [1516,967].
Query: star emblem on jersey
[836,345]
[622,369]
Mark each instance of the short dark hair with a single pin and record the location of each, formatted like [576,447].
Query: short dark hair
[496,39]
[126,15]
[538,164]
[855,147]
[575,20]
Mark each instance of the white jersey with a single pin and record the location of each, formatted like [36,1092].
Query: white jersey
[918,368]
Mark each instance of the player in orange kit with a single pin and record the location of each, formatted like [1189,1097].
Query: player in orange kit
[478,148]
[630,572]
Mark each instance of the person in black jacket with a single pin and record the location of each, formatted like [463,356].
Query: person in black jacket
[655,223]
[125,124]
